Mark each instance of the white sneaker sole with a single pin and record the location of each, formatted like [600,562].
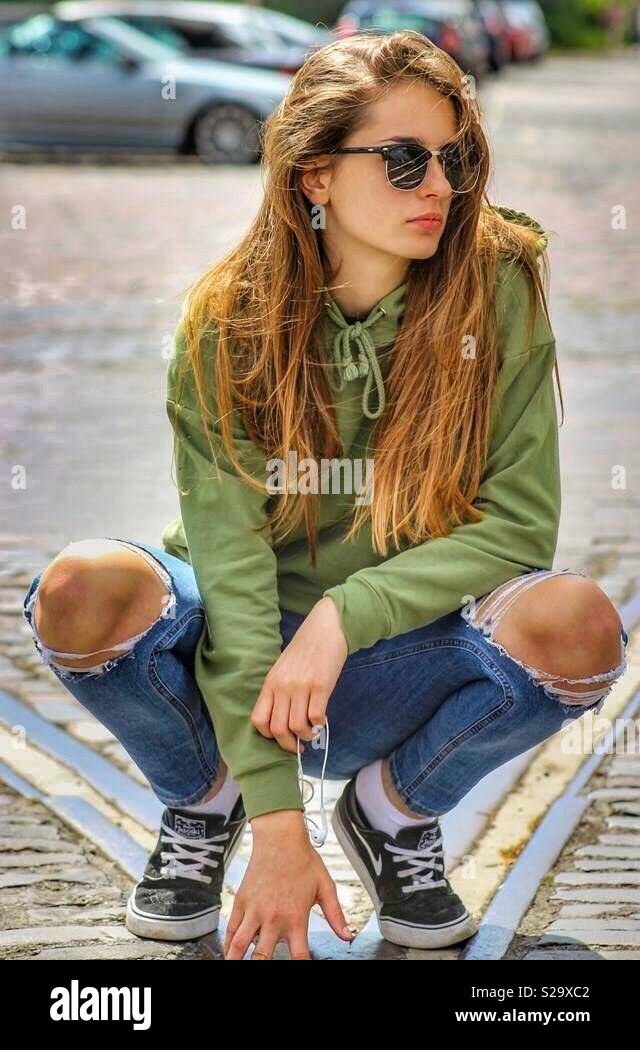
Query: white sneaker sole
[164,928]
[402,933]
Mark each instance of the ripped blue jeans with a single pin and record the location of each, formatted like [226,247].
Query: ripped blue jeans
[445,703]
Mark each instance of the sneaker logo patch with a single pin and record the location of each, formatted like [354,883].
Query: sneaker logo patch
[190,827]
[426,838]
[376,861]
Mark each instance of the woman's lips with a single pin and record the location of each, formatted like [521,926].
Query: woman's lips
[427,224]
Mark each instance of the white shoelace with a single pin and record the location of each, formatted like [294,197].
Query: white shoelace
[182,863]
[421,860]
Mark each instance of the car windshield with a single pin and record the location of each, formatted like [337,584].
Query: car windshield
[293,30]
[249,32]
[131,40]
[158,31]
[392,19]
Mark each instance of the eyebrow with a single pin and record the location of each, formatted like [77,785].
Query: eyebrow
[412,139]
[404,138]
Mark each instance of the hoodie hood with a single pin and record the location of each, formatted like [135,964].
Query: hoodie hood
[353,346]
[522,219]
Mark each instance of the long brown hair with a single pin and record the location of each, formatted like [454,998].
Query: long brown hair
[264,299]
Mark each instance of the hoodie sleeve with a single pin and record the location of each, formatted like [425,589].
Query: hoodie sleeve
[519,495]
[235,571]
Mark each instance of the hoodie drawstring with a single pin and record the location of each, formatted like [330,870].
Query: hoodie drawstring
[367,364]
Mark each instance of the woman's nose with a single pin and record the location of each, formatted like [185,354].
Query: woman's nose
[435,179]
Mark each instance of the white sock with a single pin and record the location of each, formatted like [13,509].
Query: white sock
[377,806]
[222,802]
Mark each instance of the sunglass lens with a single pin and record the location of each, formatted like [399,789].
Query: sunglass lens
[460,168]
[406,166]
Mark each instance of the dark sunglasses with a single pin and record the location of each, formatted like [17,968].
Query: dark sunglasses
[406,165]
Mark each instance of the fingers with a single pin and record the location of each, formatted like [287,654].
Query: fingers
[299,715]
[266,944]
[298,944]
[319,697]
[271,715]
[280,727]
[261,714]
[241,939]
[235,920]
[270,937]
[267,938]
[285,710]
[298,712]
[333,913]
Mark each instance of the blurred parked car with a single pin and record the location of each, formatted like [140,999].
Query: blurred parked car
[528,34]
[496,27]
[295,30]
[238,33]
[96,83]
[452,25]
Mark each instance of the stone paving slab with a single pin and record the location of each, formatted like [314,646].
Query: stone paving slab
[591,938]
[591,910]
[34,860]
[598,878]
[613,794]
[613,864]
[625,849]
[618,839]
[586,893]
[18,878]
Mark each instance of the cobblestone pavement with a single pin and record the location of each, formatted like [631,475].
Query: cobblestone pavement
[93,286]
[589,904]
[62,899]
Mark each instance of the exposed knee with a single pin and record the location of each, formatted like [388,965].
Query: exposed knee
[72,612]
[94,595]
[565,625]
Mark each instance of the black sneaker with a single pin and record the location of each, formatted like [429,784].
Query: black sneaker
[404,876]
[180,894]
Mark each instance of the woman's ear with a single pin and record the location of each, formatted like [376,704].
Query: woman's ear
[315,183]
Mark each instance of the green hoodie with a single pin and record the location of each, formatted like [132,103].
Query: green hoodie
[244,579]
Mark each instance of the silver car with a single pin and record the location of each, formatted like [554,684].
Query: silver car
[98,83]
[244,34]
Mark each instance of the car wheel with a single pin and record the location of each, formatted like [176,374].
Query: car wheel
[227,134]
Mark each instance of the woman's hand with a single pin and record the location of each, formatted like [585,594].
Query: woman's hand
[283,881]
[296,691]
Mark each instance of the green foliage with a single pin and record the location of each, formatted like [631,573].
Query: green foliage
[581,23]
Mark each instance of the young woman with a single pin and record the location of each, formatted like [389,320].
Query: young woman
[361,576]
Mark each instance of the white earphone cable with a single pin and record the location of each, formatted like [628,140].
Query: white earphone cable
[317,835]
